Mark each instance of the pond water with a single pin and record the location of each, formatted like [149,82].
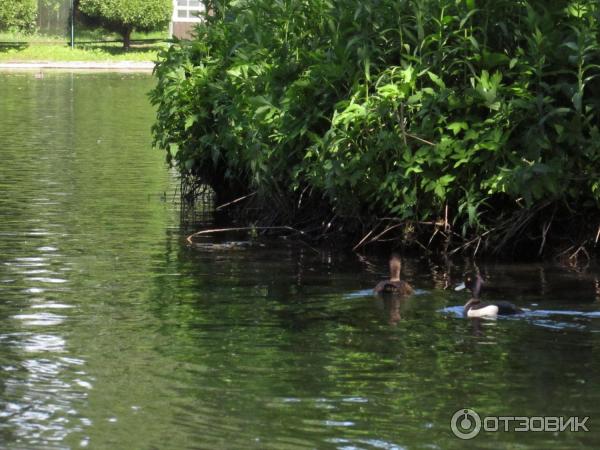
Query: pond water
[116,334]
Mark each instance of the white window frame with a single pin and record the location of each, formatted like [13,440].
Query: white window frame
[190,9]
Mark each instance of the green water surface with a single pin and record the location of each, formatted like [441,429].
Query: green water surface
[116,334]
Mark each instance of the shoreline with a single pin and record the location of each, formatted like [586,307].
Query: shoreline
[79,65]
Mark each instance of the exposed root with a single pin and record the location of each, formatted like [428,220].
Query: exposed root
[470,242]
[384,232]
[545,229]
[477,247]
[233,202]
[581,249]
[365,237]
[547,225]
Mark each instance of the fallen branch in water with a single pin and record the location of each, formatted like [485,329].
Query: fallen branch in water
[224,230]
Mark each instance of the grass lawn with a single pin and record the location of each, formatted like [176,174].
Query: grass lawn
[88,47]
[81,52]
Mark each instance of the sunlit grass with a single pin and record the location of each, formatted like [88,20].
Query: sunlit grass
[90,45]
[105,51]
[81,36]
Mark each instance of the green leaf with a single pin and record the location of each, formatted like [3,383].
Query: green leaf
[577,98]
[457,126]
[437,80]
[446,180]
[471,12]
[190,121]
[572,45]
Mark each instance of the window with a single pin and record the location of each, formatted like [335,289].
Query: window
[187,10]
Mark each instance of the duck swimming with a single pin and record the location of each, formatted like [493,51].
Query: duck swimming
[394,285]
[476,308]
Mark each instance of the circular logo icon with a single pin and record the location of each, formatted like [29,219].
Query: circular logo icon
[465,424]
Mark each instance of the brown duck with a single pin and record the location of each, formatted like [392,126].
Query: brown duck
[394,285]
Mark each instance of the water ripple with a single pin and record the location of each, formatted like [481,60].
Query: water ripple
[38,343]
[42,319]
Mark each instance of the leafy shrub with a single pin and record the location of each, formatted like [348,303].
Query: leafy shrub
[485,112]
[18,15]
[125,16]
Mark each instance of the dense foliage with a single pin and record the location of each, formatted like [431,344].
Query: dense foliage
[18,15]
[125,16]
[479,115]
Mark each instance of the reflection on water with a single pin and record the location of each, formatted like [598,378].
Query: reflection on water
[116,334]
[76,226]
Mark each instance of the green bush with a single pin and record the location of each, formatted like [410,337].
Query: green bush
[18,15]
[485,112]
[125,16]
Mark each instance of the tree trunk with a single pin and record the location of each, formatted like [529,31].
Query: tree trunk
[126,38]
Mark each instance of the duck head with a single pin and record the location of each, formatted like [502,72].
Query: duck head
[395,266]
[473,282]
[471,303]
